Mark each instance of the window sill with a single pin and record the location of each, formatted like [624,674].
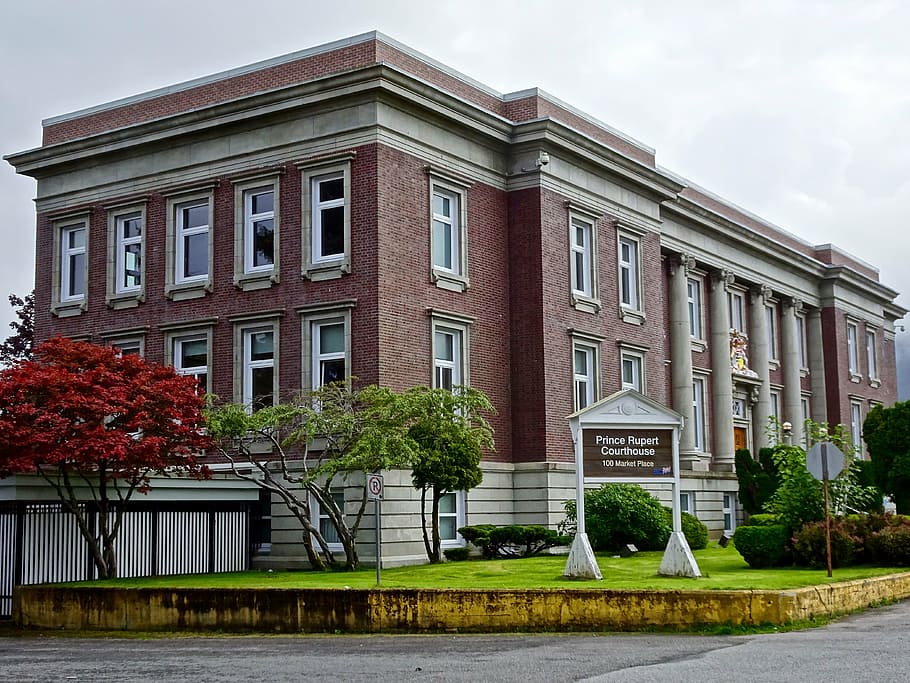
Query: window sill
[875,382]
[331,270]
[804,372]
[120,301]
[632,317]
[189,290]
[69,309]
[248,282]
[773,363]
[699,345]
[856,379]
[585,304]
[451,281]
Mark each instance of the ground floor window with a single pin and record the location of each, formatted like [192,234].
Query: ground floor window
[451,518]
[729,513]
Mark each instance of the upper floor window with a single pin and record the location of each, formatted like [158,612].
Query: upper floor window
[448,231]
[447,358]
[189,255]
[584,367]
[698,414]
[629,273]
[856,425]
[632,371]
[73,262]
[693,287]
[326,343]
[128,346]
[871,360]
[191,357]
[129,252]
[801,340]
[326,216]
[771,330]
[259,367]
[737,309]
[582,248]
[256,232]
[852,350]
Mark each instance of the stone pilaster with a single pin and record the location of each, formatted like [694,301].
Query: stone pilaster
[816,352]
[760,355]
[721,379]
[789,343]
[681,355]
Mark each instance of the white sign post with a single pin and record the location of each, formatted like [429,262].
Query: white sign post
[627,438]
[374,489]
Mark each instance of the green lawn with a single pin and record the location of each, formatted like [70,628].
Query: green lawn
[721,568]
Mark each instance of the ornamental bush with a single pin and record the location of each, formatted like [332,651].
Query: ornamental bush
[764,519]
[456,554]
[763,546]
[693,529]
[619,514]
[890,545]
[810,546]
[514,540]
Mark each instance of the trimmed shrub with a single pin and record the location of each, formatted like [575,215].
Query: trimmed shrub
[763,546]
[456,554]
[890,545]
[513,540]
[764,519]
[810,547]
[693,529]
[619,514]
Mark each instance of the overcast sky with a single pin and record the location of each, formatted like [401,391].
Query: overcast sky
[798,111]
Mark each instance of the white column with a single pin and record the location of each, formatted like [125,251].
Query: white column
[789,338]
[759,357]
[816,352]
[722,378]
[681,353]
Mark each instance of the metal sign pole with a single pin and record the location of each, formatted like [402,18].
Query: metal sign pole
[827,510]
[378,542]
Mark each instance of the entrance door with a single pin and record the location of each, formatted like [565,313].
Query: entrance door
[739,438]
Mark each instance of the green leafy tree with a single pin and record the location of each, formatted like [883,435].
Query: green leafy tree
[18,346]
[799,498]
[449,433]
[303,448]
[758,479]
[887,435]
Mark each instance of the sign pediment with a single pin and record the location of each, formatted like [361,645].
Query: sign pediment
[627,407]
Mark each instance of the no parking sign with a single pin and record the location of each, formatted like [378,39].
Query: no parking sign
[374,486]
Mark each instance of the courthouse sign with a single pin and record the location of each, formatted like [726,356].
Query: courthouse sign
[636,453]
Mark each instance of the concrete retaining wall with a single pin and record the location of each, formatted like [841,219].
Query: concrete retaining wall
[413,611]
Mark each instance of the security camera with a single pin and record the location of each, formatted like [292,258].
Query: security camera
[542,160]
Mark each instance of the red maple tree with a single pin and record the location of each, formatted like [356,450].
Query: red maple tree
[96,425]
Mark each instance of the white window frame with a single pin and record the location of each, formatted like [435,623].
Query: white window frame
[630,286]
[459,516]
[248,276]
[319,357]
[853,350]
[177,341]
[805,409]
[772,332]
[244,326]
[315,265]
[455,365]
[451,244]
[67,256]
[121,245]
[313,318]
[856,425]
[319,515]
[699,418]
[177,286]
[687,502]
[128,346]
[442,183]
[582,256]
[694,295]
[871,355]
[586,380]
[736,303]
[636,361]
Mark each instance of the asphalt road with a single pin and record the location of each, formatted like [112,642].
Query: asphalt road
[874,646]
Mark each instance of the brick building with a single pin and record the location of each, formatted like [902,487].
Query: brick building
[360,209]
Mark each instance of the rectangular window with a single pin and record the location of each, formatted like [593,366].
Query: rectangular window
[447,358]
[771,328]
[729,511]
[192,242]
[632,371]
[584,369]
[629,274]
[445,230]
[259,229]
[128,347]
[328,217]
[852,351]
[73,262]
[329,352]
[856,426]
[451,518]
[582,248]
[698,413]
[191,357]
[258,389]
[128,258]
[806,415]
[801,337]
[326,527]
[687,502]
[448,219]
[871,362]
[695,311]
[737,306]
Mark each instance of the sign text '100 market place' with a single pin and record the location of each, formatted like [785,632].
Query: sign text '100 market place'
[632,453]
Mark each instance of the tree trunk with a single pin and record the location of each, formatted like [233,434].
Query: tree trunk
[423,523]
[436,557]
